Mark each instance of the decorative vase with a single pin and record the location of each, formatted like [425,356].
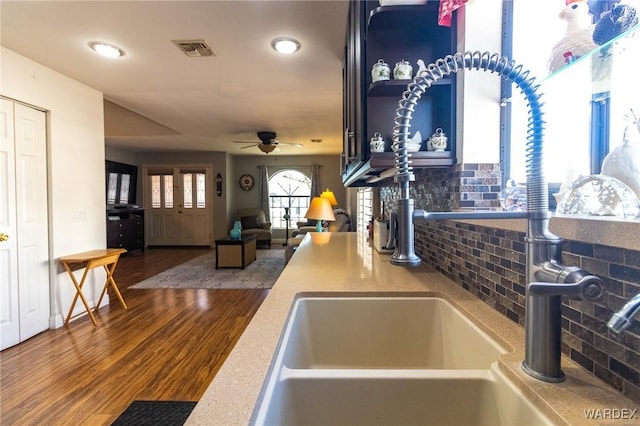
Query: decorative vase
[236,231]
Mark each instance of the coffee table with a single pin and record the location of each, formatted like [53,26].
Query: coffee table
[235,253]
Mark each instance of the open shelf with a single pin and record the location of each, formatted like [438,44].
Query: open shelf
[397,87]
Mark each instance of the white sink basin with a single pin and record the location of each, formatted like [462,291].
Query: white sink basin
[354,399]
[387,361]
[370,332]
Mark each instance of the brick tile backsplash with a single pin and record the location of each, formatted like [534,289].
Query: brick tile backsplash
[490,263]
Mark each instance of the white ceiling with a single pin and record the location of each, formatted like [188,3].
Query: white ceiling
[201,103]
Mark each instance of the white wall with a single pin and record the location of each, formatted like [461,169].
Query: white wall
[478,103]
[76,185]
[120,155]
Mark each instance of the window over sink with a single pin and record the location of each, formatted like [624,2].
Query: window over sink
[587,104]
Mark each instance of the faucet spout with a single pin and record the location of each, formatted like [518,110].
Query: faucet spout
[537,192]
[621,320]
[548,279]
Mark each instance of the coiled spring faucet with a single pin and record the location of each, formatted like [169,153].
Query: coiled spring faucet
[548,280]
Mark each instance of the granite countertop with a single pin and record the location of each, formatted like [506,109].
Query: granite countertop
[347,263]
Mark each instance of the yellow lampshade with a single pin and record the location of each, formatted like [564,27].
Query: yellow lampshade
[320,209]
[328,194]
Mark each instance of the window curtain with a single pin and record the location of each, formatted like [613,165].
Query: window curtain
[315,181]
[264,192]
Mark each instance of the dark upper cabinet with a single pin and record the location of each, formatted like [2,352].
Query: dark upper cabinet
[353,90]
[393,33]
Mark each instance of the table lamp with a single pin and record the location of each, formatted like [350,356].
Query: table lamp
[328,194]
[320,209]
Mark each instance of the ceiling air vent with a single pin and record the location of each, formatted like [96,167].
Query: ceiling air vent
[194,48]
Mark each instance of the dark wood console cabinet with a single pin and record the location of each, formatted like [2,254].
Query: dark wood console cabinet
[393,33]
[125,228]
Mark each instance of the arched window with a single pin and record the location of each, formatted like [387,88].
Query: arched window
[288,189]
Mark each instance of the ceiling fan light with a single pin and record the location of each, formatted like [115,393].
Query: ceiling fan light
[267,148]
[285,45]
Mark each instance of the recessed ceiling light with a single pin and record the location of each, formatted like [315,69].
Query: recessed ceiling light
[285,45]
[106,49]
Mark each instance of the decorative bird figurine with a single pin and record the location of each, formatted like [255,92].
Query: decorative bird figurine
[415,139]
[578,36]
[421,67]
[614,22]
[623,162]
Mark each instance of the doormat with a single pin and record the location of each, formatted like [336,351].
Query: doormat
[155,413]
[201,272]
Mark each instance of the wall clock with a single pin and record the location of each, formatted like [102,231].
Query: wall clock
[246,182]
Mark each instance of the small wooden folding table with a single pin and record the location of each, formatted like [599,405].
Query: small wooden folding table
[107,258]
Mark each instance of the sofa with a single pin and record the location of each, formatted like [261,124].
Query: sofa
[341,224]
[254,222]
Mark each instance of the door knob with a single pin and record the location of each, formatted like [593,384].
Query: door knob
[4,237]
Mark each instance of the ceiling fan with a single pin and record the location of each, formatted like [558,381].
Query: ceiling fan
[268,142]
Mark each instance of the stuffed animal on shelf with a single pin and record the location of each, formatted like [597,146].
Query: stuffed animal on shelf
[578,38]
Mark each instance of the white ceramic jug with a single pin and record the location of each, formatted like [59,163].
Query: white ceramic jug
[380,71]
[402,70]
[438,140]
[377,143]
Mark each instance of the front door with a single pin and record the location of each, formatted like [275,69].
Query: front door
[24,252]
[178,206]
[194,208]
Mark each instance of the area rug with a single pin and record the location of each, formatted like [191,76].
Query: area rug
[155,413]
[201,272]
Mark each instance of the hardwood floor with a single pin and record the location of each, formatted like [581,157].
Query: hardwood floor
[168,345]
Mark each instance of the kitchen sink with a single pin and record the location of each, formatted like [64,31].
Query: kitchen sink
[387,361]
[390,332]
[394,399]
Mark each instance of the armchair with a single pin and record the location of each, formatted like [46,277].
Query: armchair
[341,224]
[304,227]
[254,223]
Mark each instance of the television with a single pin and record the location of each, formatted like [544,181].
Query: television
[121,183]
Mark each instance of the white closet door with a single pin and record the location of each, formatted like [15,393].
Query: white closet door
[24,216]
[9,300]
